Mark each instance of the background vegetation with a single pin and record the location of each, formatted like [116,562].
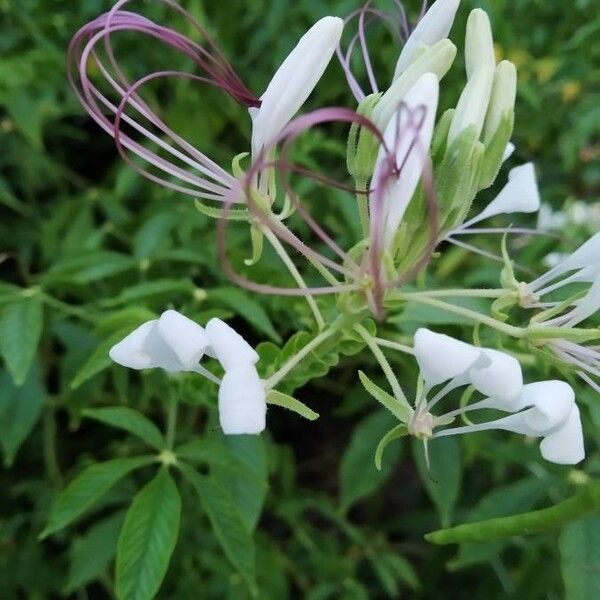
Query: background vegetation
[89,250]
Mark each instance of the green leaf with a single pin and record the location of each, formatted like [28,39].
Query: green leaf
[442,479]
[99,359]
[89,268]
[130,420]
[151,289]
[387,400]
[278,399]
[87,488]
[227,523]
[20,331]
[393,434]
[358,475]
[20,409]
[147,539]
[579,547]
[92,553]
[246,307]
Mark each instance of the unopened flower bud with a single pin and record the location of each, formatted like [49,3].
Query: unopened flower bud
[479,43]
[502,99]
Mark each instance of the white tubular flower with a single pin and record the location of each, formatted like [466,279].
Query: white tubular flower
[442,357]
[173,343]
[519,195]
[229,347]
[551,414]
[242,402]
[294,81]
[410,147]
[473,104]
[502,99]
[433,27]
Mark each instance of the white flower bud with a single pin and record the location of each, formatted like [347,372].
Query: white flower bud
[502,99]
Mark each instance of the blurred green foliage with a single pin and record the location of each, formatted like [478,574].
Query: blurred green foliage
[89,250]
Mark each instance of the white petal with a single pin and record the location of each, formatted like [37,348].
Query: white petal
[242,402]
[508,151]
[551,403]
[587,306]
[185,337]
[500,377]
[295,80]
[144,348]
[433,27]
[411,151]
[565,445]
[586,254]
[230,348]
[520,194]
[441,357]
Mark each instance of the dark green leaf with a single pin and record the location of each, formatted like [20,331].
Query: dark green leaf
[148,539]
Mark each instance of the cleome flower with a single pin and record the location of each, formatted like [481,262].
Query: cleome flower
[544,409]
[176,344]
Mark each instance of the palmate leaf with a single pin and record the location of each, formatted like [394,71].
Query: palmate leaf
[20,331]
[130,420]
[148,539]
[87,488]
[227,524]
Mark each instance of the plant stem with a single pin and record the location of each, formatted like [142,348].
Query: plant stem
[171,421]
[287,261]
[50,457]
[385,365]
[457,293]
[394,345]
[517,332]
[363,206]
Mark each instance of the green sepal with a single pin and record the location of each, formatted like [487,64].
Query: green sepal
[233,214]
[236,167]
[440,136]
[500,304]
[387,400]
[393,434]
[507,275]
[257,237]
[363,146]
[279,399]
[494,151]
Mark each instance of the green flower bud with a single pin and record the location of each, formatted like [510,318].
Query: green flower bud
[479,43]
[363,146]
[502,99]
[437,60]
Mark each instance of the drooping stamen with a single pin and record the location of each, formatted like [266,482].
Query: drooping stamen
[214,182]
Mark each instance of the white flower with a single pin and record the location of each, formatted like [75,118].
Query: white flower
[242,401]
[550,412]
[294,81]
[173,343]
[442,358]
[410,147]
[433,27]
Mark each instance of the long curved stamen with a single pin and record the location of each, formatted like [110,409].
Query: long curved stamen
[214,182]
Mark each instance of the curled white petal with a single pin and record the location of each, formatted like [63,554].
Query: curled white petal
[520,194]
[442,357]
[242,402]
[433,27]
[187,339]
[229,347]
[565,445]
[411,150]
[294,81]
[131,351]
[498,376]
[587,306]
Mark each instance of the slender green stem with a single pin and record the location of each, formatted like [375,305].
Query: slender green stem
[385,365]
[287,261]
[394,345]
[50,457]
[297,358]
[517,332]
[76,311]
[171,421]
[458,293]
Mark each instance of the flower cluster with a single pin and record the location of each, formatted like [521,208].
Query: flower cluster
[175,343]
[414,177]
